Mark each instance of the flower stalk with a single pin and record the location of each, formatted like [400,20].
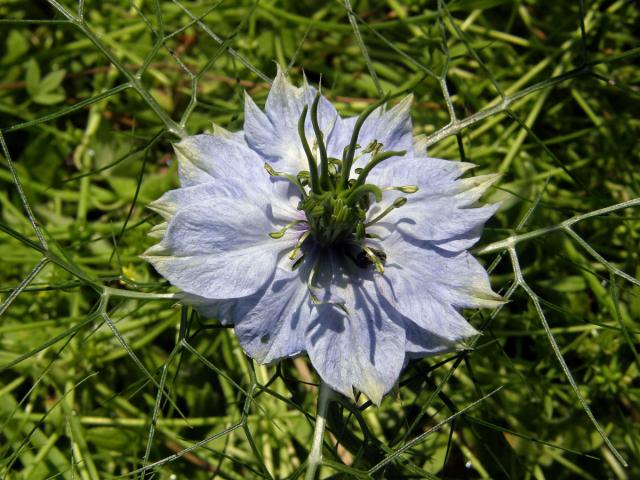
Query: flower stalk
[315,454]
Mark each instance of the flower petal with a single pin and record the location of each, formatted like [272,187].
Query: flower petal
[209,248]
[274,133]
[427,285]
[423,343]
[391,128]
[353,339]
[357,345]
[273,325]
[204,157]
[211,308]
[206,193]
[429,174]
[445,214]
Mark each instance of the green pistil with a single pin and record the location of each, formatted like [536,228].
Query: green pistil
[335,205]
[313,167]
[350,150]
[376,160]
[324,161]
[358,191]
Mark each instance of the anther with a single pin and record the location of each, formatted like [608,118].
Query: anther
[403,189]
[274,173]
[298,245]
[377,257]
[280,233]
[397,203]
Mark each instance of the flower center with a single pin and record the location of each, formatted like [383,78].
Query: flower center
[336,205]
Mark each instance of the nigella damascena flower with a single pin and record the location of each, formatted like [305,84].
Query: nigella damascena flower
[334,236]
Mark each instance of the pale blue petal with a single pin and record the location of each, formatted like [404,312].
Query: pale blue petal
[158,231]
[285,198]
[223,132]
[284,104]
[353,340]
[431,175]
[216,309]
[206,193]
[204,157]
[273,325]
[340,137]
[218,250]
[428,285]
[328,117]
[445,213]
[391,128]
[357,345]
[274,133]
[420,144]
[424,343]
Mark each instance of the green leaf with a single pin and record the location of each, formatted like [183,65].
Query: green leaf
[52,81]
[33,77]
[111,438]
[44,98]
[17,45]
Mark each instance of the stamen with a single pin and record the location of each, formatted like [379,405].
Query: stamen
[297,263]
[375,259]
[312,274]
[374,147]
[280,233]
[274,173]
[403,189]
[350,151]
[298,245]
[313,167]
[324,161]
[397,203]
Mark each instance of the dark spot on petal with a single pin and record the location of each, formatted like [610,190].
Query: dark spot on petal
[265,338]
[363,260]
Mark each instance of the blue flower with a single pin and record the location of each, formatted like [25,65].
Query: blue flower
[334,236]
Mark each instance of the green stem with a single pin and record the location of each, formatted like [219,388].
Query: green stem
[515,239]
[134,80]
[315,454]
